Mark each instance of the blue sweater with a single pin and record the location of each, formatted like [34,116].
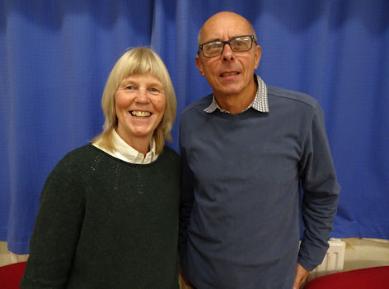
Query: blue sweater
[242,176]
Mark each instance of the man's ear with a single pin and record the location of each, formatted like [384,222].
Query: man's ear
[258,55]
[199,65]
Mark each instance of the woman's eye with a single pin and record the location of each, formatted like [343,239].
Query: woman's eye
[130,87]
[154,90]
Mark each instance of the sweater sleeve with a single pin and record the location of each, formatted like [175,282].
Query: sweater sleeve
[56,231]
[186,202]
[320,193]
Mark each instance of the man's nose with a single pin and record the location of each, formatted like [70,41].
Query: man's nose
[227,52]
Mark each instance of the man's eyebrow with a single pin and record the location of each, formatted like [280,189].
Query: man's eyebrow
[232,37]
[212,40]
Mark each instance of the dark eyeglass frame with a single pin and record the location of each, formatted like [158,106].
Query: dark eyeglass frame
[224,42]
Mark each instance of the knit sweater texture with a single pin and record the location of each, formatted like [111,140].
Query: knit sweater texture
[107,224]
[241,207]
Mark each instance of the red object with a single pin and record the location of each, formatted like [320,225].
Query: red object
[11,275]
[368,278]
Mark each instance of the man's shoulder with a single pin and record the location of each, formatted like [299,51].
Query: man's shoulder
[292,96]
[198,105]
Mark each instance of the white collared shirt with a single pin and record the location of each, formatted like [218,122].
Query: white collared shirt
[260,102]
[127,153]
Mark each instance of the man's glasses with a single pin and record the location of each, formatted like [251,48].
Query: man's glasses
[238,44]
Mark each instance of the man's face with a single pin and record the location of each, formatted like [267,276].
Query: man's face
[230,73]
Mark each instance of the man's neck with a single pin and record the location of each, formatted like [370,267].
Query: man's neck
[236,103]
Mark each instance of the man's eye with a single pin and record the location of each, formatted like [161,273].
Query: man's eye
[239,42]
[215,45]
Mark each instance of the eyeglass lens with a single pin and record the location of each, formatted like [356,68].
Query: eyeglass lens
[237,44]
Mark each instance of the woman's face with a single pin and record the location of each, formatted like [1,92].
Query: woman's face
[140,105]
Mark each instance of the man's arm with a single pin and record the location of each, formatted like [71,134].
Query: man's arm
[301,276]
[321,192]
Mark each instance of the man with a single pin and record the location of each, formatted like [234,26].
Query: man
[247,149]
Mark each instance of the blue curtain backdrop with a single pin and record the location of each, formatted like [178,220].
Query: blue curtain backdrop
[56,55]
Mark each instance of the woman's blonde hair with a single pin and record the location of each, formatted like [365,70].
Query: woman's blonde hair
[139,60]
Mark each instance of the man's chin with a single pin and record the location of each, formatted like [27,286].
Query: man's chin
[229,91]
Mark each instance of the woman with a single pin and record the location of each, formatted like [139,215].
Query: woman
[109,210]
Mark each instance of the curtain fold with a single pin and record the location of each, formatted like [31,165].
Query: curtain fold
[55,58]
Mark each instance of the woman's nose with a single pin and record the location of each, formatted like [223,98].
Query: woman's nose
[142,96]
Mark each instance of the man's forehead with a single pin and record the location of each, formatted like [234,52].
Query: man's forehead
[223,34]
[224,27]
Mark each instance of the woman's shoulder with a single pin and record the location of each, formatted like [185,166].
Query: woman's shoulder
[171,154]
[78,158]
[84,152]
[169,159]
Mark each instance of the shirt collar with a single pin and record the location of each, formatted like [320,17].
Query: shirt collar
[260,102]
[127,153]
